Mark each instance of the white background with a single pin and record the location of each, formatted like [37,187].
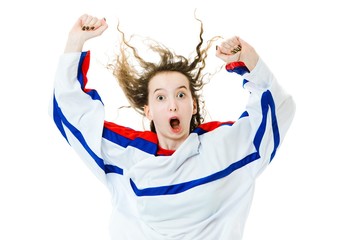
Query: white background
[310,191]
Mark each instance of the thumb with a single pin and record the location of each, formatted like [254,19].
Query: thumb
[103,25]
[220,54]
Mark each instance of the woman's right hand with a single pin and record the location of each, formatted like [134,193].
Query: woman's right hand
[85,27]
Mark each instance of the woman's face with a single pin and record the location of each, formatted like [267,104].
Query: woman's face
[170,107]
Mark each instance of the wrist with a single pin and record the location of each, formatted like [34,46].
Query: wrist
[74,45]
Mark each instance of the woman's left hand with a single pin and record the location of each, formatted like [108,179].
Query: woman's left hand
[237,50]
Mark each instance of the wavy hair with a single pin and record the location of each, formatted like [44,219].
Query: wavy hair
[134,78]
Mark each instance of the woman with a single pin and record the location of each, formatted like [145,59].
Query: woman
[184,179]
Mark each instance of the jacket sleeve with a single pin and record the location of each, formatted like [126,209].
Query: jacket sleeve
[78,112]
[79,115]
[261,128]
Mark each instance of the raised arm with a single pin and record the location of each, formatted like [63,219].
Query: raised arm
[78,111]
[269,112]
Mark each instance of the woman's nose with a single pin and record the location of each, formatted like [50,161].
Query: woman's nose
[173,106]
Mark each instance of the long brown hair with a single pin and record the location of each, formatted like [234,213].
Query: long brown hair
[134,79]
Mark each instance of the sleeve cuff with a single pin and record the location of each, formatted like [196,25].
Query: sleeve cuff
[237,67]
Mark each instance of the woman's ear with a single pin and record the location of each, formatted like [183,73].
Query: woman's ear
[194,107]
[147,112]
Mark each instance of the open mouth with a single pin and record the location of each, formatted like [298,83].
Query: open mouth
[175,123]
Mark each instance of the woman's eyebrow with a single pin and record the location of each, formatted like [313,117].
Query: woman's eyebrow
[183,86]
[180,87]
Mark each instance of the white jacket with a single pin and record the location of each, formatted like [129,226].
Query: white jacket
[201,191]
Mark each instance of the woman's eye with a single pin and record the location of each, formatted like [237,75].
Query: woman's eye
[181,95]
[160,98]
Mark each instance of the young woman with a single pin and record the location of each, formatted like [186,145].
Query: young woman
[184,179]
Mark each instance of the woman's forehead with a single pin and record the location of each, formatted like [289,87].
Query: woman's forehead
[168,81]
